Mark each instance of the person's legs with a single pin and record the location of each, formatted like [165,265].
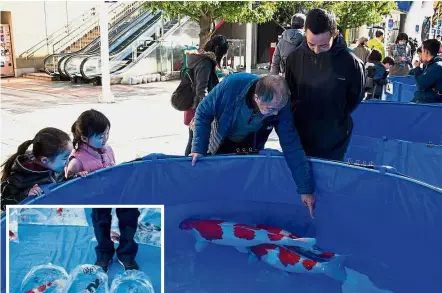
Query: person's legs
[189,143]
[102,220]
[128,248]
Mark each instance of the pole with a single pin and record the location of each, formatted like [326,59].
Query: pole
[106,94]
[249,45]
[67,19]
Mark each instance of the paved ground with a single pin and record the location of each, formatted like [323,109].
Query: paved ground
[143,121]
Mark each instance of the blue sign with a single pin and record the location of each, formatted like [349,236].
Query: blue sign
[417,28]
[390,23]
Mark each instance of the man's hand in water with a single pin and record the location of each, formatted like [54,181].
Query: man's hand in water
[309,201]
[195,157]
[35,191]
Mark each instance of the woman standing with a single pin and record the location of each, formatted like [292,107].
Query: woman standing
[401,54]
[202,65]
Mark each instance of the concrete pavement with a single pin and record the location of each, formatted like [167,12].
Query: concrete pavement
[142,119]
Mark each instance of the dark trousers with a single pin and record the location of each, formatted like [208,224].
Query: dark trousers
[127,222]
[189,143]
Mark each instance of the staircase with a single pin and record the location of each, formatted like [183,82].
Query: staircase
[83,41]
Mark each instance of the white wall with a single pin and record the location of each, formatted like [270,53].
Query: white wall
[418,11]
[28,19]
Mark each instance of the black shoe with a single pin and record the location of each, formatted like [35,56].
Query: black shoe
[103,264]
[129,265]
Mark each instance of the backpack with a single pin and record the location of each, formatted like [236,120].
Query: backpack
[183,97]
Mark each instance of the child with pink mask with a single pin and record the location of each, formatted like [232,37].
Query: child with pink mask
[91,153]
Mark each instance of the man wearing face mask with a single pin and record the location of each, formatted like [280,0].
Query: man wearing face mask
[245,108]
[326,82]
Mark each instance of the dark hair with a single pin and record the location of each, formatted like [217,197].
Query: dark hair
[89,123]
[438,36]
[379,34]
[269,86]
[48,142]
[218,45]
[419,50]
[402,37]
[375,56]
[320,21]
[432,46]
[388,60]
[298,21]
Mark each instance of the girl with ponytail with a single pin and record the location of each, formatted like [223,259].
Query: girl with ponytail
[91,153]
[25,171]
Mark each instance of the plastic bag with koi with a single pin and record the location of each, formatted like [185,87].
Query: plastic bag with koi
[132,281]
[45,278]
[53,216]
[148,231]
[87,279]
[13,225]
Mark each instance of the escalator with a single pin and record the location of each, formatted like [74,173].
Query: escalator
[69,66]
[53,63]
[141,44]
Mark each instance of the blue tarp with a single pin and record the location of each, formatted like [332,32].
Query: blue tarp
[400,88]
[403,121]
[418,160]
[68,247]
[389,225]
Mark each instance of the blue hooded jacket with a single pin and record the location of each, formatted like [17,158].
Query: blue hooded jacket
[428,82]
[216,115]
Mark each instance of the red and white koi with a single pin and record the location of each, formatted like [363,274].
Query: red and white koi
[237,235]
[315,250]
[12,236]
[289,260]
[46,286]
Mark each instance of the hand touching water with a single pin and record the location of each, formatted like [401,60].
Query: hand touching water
[309,201]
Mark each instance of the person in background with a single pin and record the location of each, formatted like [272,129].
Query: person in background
[417,62]
[377,44]
[354,44]
[91,152]
[376,75]
[202,64]
[246,108]
[326,82]
[440,50]
[429,79]
[401,54]
[25,171]
[291,39]
[388,63]
[362,51]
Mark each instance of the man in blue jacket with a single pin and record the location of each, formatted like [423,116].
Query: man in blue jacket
[241,112]
[429,79]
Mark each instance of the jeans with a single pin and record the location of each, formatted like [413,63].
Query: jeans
[128,223]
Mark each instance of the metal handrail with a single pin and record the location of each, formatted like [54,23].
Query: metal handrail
[118,55]
[126,8]
[148,51]
[151,48]
[146,16]
[59,31]
[88,49]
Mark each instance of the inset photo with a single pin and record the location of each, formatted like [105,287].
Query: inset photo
[72,249]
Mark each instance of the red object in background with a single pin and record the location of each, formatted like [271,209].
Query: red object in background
[272,51]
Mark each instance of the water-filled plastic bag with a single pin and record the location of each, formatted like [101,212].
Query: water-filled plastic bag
[88,279]
[45,278]
[132,282]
